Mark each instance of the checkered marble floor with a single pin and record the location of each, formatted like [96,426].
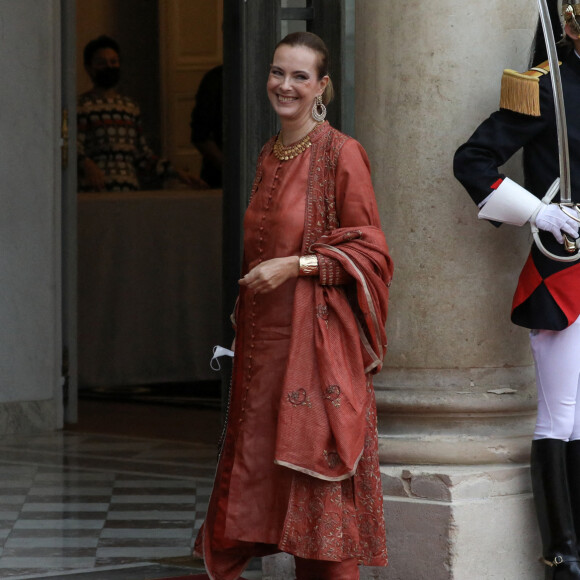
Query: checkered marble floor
[75,504]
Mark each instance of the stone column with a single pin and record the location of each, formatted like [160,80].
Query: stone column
[457,397]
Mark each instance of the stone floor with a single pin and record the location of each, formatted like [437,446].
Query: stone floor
[102,506]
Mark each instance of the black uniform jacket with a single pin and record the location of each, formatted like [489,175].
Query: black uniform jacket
[548,292]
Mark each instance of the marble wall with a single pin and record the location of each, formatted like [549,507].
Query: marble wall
[30,310]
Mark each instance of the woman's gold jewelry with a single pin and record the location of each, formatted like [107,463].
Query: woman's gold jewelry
[318,109]
[308,265]
[285,153]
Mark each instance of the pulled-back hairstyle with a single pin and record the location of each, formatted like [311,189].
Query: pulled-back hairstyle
[316,44]
[96,44]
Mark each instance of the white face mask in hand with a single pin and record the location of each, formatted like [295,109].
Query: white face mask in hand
[217,352]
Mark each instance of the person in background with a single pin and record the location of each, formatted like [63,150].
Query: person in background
[113,154]
[206,126]
[547,298]
[299,467]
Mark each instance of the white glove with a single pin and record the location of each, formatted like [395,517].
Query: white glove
[551,218]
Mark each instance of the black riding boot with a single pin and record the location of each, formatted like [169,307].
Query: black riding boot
[573,470]
[553,508]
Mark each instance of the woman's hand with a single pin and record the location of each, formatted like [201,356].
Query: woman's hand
[94,175]
[270,274]
[191,180]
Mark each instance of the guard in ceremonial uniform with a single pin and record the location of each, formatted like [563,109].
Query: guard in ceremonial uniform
[547,298]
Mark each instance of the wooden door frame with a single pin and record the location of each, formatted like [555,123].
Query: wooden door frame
[69,213]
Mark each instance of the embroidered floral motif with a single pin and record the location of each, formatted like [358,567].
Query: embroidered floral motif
[298,398]
[322,313]
[332,394]
[332,458]
[369,380]
[353,235]
[337,520]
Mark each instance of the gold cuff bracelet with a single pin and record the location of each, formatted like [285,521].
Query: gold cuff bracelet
[308,265]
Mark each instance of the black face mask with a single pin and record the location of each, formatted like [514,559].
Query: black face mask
[107,78]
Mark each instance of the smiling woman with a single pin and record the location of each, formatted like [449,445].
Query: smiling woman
[298,470]
[293,85]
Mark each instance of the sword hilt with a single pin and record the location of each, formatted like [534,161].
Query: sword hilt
[571,246]
[570,243]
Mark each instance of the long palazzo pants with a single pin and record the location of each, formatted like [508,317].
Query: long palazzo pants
[322,570]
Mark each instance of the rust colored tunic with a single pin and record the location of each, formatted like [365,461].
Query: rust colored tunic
[259,507]
[273,228]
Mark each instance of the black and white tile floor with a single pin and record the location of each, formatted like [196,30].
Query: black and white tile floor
[100,507]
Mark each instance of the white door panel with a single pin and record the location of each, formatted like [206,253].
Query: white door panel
[190,38]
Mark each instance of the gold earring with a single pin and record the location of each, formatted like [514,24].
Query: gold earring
[318,110]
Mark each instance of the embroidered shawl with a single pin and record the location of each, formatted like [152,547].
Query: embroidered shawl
[338,339]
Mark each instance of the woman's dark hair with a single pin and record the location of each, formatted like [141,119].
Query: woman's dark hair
[93,46]
[539,52]
[316,44]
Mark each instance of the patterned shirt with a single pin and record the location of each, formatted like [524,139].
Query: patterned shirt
[110,133]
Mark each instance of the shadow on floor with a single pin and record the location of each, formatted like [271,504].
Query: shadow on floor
[188,424]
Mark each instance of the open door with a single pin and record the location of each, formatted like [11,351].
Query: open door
[185,58]
[69,211]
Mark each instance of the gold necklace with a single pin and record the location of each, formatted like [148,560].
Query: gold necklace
[285,153]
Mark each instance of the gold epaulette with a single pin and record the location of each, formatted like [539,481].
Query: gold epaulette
[520,92]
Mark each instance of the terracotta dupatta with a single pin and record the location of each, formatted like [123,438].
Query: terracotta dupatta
[333,351]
